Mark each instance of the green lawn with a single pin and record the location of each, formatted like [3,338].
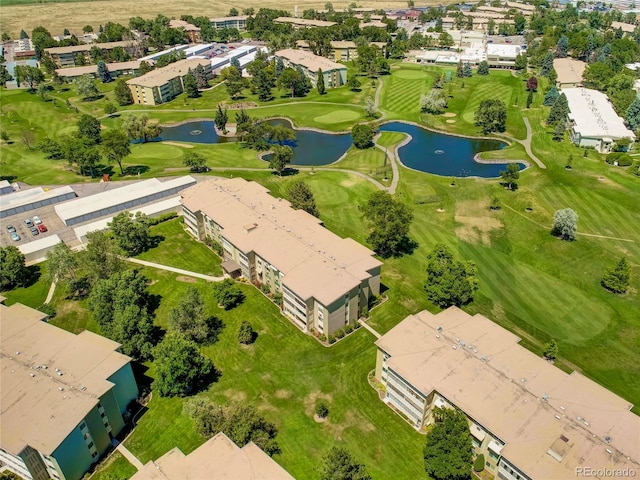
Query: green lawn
[371,161]
[34,294]
[177,249]
[116,467]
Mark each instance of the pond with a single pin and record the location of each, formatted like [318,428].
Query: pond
[428,151]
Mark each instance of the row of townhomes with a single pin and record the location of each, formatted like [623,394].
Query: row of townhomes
[64,396]
[530,419]
[325,280]
[335,74]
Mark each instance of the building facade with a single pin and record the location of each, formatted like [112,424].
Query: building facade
[335,74]
[64,396]
[239,22]
[66,56]
[164,84]
[528,418]
[325,281]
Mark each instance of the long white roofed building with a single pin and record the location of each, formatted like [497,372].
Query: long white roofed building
[593,122]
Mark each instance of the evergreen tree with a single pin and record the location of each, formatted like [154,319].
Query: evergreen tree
[201,77]
[558,132]
[632,115]
[221,119]
[547,64]
[320,82]
[301,197]
[562,47]
[123,93]
[616,279]
[529,98]
[551,96]
[103,72]
[459,70]
[559,110]
[550,350]
[191,86]
[279,67]
[23,35]
[235,63]
[483,68]
[466,70]
[521,62]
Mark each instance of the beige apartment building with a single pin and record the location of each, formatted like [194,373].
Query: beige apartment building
[342,51]
[570,72]
[220,23]
[530,419]
[66,56]
[303,22]
[335,74]
[164,84]
[325,280]
[63,396]
[216,459]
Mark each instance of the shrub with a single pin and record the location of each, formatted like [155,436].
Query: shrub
[339,333]
[265,288]
[635,169]
[364,312]
[322,409]
[48,309]
[348,329]
[277,299]
[332,339]
[623,159]
[162,218]
[478,464]
[227,294]
[246,334]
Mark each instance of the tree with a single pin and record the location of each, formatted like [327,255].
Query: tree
[616,278]
[449,281]
[131,233]
[86,87]
[459,70]
[63,268]
[558,132]
[221,119]
[43,91]
[370,108]
[448,450]
[180,367]
[280,158]
[521,62]
[89,128]
[510,175]
[362,135]
[565,224]
[103,72]
[322,409]
[483,68]
[551,96]
[227,294]
[353,83]
[87,29]
[115,146]
[23,35]
[110,108]
[12,268]
[201,77]
[550,350]
[28,74]
[101,259]
[122,93]
[388,221]
[491,116]
[138,127]
[547,64]
[562,47]
[191,86]
[246,335]
[466,70]
[301,198]
[478,464]
[195,161]
[559,110]
[529,98]
[532,84]
[433,102]
[189,318]
[632,115]
[339,464]
[233,81]
[290,80]
[320,82]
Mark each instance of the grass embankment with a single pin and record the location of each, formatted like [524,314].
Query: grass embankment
[116,467]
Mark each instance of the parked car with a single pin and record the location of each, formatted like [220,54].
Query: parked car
[42,228]
[15,237]
[28,222]
[11,229]
[34,231]
[508,40]
[37,220]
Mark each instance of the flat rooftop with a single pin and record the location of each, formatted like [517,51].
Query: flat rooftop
[569,70]
[160,76]
[309,60]
[92,69]
[594,115]
[517,396]
[86,47]
[217,459]
[51,378]
[315,261]
[303,22]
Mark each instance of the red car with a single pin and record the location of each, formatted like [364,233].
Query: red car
[42,228]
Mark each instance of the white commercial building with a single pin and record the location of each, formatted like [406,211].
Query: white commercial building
[25,200]
[124,198]
[5,187]
[592,120]
[38,249]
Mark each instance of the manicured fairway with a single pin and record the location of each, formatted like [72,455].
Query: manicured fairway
[401,93]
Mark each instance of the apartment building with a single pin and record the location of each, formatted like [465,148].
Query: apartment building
[116,69]
[193,32]
[216,459]
[303,22]
[66,56]
[530,419]
[164,84]
[239,22]
[335,74]
[569,72]
[63,396]
[342,51]
[325,280]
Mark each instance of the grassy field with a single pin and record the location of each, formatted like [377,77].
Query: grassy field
[115,468]
[34,294]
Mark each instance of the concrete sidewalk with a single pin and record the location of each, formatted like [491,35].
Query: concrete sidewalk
[187,273]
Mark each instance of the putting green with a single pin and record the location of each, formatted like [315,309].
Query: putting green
[338,116]
[410,74]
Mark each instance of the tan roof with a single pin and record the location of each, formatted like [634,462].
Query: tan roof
[315,262]
[160,76]
[521,6]
[309,60]
[86,47]
[373,23]
[41,406]
[488,8]
[569,70]
[625,27]
[303,22]
[519,397]
[217,459]
[188,27]
[92,69]
[224,19]
[495,16]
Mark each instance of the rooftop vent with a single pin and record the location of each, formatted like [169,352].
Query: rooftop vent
[608,451]
[33,375]
[522,379]
[454,347]
[484,358]
[607,439]
[61,389]
[59,374]
[437,336]
[439,329]
[545,397]
[17,353]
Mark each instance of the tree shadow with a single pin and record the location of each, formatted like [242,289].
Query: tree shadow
[136,169]
[153,303]
[287,172]
[383,288]
[406,247]
[9,178]
[142,379]
[155,241]
[31,276]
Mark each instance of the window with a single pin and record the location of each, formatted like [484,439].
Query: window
[90,445]
[83,425]
[493,455]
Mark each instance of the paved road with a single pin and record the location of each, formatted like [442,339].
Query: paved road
[188,273]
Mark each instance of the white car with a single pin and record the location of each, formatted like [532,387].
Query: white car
[36,220]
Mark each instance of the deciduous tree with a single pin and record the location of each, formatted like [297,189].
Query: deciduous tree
[86,87]
[227,294]
[89,128]
[115,147]
[449,281]
[339,464]
[362,135]
[32,76]
[195,161]
[388,221]
[280,158]
[448,449]
[63,268]
[122,93]
[131,233]
[491,116]
[565,224]
[12,268]
[510,175]
[189,318]
[433,102]
[101,259]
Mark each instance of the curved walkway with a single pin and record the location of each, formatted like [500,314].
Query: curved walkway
[526,143]
[188,273]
